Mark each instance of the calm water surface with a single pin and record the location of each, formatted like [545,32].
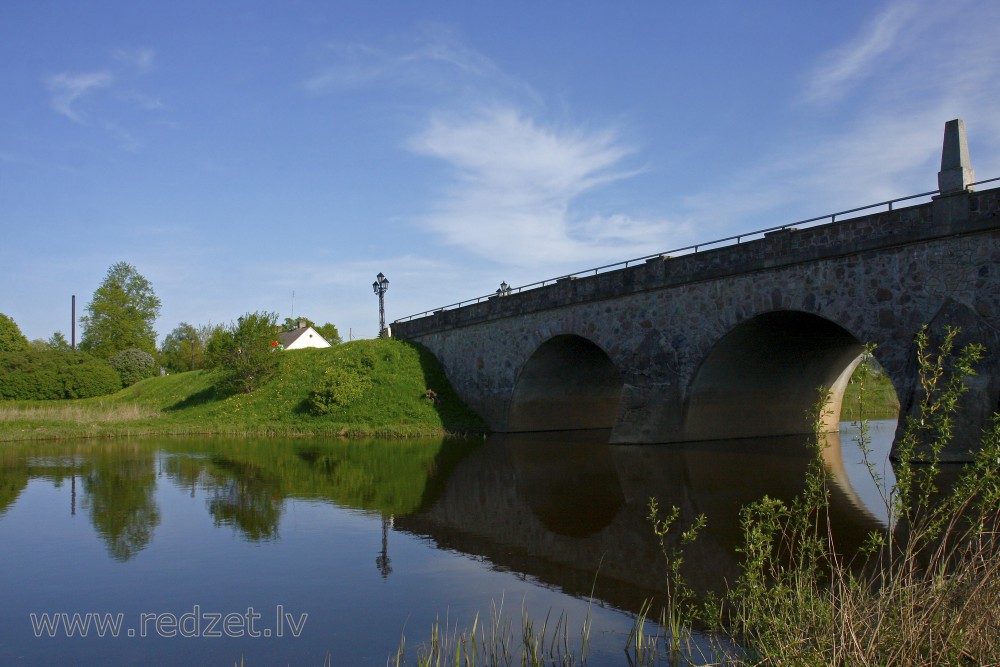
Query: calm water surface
[315,548]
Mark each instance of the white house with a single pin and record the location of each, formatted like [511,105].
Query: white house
[302,337]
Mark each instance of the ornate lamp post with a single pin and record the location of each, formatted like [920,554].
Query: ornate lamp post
[380,286]
[504,289]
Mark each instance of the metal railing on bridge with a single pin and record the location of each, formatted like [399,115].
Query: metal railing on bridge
[685,250]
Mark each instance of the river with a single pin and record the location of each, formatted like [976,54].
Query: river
[301,552]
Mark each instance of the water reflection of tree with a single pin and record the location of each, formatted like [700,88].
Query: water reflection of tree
[13,479]
[119,493]
[246,481]
[246,499]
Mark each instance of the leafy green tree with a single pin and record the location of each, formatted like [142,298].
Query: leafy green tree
[244,352]
[38,345]
[293,323]
[121,314]
[184,348]
[58,342]
[11,338]
[330,333]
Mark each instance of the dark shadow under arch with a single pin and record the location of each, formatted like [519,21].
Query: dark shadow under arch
[761,378]
[569,383]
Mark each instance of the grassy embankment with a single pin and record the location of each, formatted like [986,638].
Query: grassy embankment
[392,405]
[880,401]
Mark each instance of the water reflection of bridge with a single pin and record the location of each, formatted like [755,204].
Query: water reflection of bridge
[560,508]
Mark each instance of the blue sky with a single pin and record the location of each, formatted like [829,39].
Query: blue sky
[239,152]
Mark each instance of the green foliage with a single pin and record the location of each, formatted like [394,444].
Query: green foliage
[880,400]
[343,384]
[11,338]
[245,352]
[121,314]
[329,332]
[38,345]
[293,323]
[681,609]
[133,365]
[58,342]
[395,404]
[924,591]
[53,374]
[184,348]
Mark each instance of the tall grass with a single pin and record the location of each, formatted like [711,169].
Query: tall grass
[77,412]
[924,591]
[497,642]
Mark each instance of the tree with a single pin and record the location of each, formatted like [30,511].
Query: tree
[244,351]
[11,338]
[330,333]
[184,348]
[121,314]
[293,323]
[58,341]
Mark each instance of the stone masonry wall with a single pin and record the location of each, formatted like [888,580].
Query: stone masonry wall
[880,277]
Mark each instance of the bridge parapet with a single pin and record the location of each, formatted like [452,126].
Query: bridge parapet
[964,213]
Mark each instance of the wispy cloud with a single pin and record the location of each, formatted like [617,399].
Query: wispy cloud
[72,92]
[514,183]
[140,59]
[889,96]
[433,59]
[70,89]
[854,61]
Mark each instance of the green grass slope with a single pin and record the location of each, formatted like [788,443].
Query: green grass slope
[392,404]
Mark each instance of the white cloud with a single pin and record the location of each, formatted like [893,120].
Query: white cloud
[140,59]
[514,185]
[69,89]
[854,61]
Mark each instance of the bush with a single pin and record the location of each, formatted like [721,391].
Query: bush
[245,352]
[342,385]
[133,365]
[54,374]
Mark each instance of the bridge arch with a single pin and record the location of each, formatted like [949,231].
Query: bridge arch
[568,383]
[760,378]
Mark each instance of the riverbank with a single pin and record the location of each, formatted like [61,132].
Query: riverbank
[395,402]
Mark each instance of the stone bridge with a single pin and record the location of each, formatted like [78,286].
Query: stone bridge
[733,341]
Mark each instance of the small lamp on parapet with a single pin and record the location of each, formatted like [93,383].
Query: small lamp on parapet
[380,286]
[504,289]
